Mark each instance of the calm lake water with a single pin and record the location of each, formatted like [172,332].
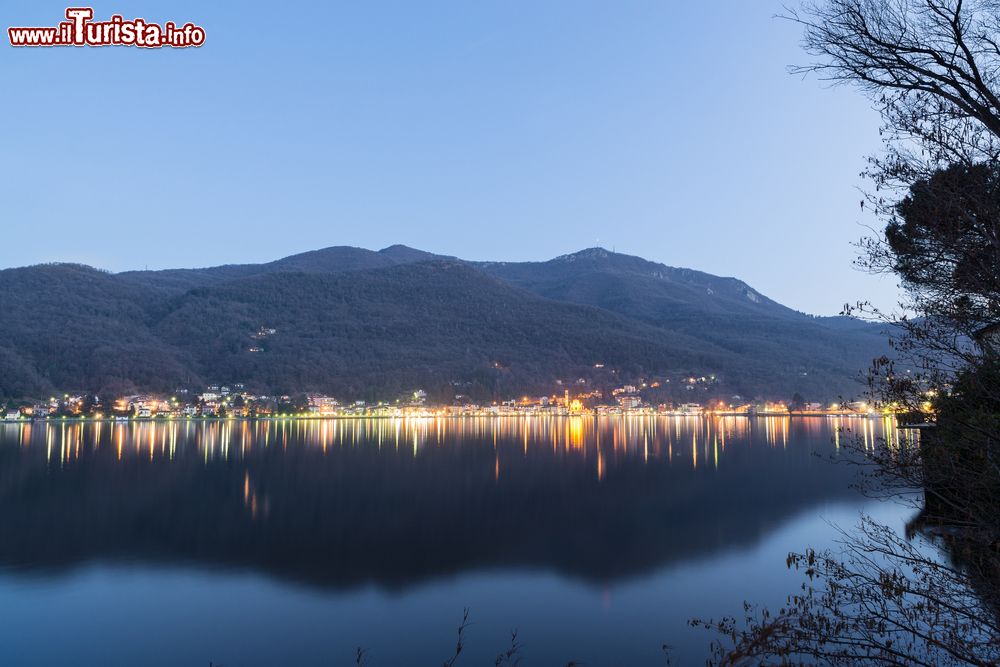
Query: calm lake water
[292,543]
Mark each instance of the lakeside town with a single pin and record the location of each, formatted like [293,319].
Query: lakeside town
[235,402]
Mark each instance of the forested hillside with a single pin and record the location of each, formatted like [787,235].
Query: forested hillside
[364,324]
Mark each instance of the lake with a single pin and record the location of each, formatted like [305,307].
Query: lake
[294,542]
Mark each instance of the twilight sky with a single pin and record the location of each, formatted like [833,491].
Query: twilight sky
[502,130]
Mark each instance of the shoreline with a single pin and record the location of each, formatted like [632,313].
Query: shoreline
[595,415]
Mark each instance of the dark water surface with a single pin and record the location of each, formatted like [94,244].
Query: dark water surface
[292,543]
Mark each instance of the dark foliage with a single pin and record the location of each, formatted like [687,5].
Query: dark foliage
[945,242]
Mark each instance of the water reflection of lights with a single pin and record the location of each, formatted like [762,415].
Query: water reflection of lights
[694,441]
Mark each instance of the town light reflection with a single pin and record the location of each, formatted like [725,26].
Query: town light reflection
[694,441]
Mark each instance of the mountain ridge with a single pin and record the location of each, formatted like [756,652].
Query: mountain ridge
[488,329]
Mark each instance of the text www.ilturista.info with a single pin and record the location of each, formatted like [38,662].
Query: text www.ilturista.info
[81,30]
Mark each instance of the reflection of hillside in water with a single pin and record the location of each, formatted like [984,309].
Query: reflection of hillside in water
[339,503]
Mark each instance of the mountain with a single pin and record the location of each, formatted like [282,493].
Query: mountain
[337,259]
[416,325]
[66,326]
[723,311]
[639,288]
[363,324]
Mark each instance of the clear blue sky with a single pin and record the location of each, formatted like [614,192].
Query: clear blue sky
[503,130]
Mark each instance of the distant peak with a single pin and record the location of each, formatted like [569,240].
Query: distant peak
[587,253]
[66,266]
[397,247]
[406,254]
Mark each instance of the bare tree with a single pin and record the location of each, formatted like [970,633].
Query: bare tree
[931,597]
[882,601]
[932,66]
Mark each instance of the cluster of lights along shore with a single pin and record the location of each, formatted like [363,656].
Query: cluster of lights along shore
[231,403]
